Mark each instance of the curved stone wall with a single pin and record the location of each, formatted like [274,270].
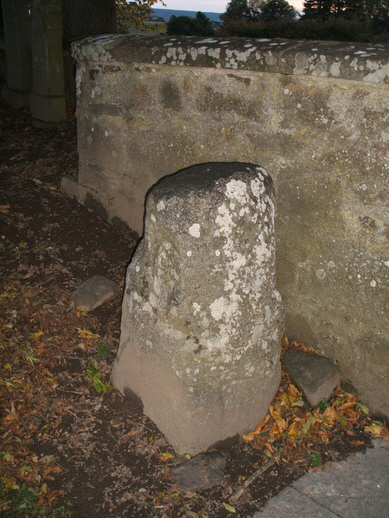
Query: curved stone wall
[314,114]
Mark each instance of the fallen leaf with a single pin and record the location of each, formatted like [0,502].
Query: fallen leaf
[357,443]
[250,436]
[88,335]
[311,419]
[229,508]
[35,335]
[331,414]
[364,408]
[4,209]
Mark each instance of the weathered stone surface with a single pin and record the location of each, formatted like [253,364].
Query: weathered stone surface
[316,376]
[312,113]
[202,472]
[93,292]
[202,319]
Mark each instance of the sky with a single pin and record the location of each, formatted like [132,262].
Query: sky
[211,6]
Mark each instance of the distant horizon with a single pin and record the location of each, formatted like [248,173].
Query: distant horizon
[210,6]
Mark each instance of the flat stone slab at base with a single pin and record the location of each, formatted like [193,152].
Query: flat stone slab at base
[354,488]
[202,472]
[316,376]
[93,292]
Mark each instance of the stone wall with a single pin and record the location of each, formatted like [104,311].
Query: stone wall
[314,114]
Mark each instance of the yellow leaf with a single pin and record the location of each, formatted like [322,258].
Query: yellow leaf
[251,435]
[281,424]
[4,209]
[285,398]
[44,488]
[9,484]
[229,508]
[168,455]
[88,335]
[7,367]
[292,432]
[294,391]
[35,335]
[376,428]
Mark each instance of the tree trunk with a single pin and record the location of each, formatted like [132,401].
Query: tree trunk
[87,17]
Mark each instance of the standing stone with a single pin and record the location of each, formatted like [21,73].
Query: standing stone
[48,91]
[18,50]
[202,318]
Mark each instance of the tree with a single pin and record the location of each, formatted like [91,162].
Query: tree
[318,8]
[188,26]
[272,10]
[240,10]
[133,14]
[86,18]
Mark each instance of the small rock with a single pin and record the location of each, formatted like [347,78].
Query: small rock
[316,376]
[160,443]
[202,472]
[93,292]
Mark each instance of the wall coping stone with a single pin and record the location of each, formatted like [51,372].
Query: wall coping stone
[339,60]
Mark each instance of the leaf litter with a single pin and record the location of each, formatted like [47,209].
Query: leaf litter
[69,445]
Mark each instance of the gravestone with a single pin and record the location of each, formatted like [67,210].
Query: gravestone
[202,319]
[17,36]
[47,99]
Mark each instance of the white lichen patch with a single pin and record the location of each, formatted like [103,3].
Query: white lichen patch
[335,69]
[194,230]
[196,308]
[320,274]
[224,220]
[218,308]
[379,75]
[238,190]
[160,205]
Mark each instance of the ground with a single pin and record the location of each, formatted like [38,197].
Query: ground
[70,445]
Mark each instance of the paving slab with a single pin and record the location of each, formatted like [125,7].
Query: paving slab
[355,488]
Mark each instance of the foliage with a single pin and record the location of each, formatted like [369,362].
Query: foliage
[272,10]
[24,502]
[240,10]
[134,14]
[333,29]
[336,20]
[96,377]
[315,459]
[187,26]
[299,427]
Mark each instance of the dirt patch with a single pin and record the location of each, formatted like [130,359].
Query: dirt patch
[81,451]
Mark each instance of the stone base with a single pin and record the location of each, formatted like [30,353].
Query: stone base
[72,189]
[107,209]
[16,98]
[46,108]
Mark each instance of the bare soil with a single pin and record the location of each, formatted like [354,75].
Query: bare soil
[90,451]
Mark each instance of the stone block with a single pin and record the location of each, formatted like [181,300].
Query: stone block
[202,319]
[93,292]
[316,376]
